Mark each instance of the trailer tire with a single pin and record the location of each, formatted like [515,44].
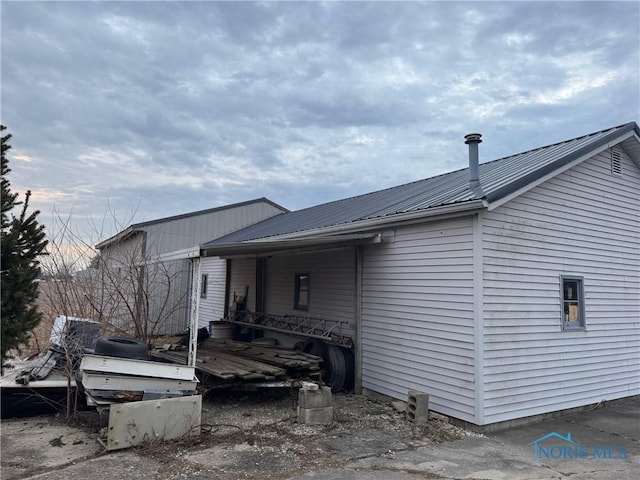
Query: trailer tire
[336,367]
[123,347]
[350,369]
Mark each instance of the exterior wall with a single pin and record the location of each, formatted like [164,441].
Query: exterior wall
[184,232]
[212,307]
[417,316]
[332,292]
[167,284]
[583,222]
[119,278]
[166,295]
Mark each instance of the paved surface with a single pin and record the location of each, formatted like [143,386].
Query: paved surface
[36,449]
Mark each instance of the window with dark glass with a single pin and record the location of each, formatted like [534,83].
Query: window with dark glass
[301,296]
[572,303]
[203,286]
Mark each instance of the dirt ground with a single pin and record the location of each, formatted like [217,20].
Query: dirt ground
[244,435]
[247,434]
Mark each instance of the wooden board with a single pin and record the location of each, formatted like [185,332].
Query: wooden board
[230,360]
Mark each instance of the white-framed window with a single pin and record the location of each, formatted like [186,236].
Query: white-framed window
[203,285]
[572,297]
[301,291]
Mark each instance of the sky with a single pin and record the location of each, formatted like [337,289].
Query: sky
[125,112]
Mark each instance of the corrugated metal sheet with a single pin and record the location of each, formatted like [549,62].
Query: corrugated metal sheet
[498,178]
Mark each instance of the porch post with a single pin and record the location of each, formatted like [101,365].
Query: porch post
[196,285]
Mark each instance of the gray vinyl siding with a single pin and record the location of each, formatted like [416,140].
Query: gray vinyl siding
[243,273]
[417,316]
[332,291]
[212,307]
[583,222]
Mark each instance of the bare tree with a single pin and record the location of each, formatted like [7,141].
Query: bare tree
[120,285]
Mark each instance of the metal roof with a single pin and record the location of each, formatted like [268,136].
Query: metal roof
[498,179]
[137,227]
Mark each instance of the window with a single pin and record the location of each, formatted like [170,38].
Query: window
[572,295]
[203,286]
[301,296]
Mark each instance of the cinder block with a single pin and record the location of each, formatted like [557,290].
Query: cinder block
[315,416]
[319,398]
[418,407]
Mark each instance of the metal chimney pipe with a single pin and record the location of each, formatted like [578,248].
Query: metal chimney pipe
[473,139]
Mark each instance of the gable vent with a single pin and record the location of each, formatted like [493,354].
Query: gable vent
[616,162]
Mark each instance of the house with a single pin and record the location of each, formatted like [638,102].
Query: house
[147,273]
[504,290]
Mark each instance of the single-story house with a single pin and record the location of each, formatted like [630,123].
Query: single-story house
[147,273]
[504,290]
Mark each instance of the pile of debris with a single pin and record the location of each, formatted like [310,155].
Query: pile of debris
[224,363]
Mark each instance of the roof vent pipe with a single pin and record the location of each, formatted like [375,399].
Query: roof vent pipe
[473,139]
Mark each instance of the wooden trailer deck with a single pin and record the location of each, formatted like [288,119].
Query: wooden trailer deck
[223,362]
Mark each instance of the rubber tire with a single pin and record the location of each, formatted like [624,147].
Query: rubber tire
[122,347]
[350,376]
[336,367]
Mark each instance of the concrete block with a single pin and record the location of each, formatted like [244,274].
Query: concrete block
[315,416]
[319,398]
[418,407]
[399,406]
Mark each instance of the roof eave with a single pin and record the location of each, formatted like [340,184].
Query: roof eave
[502,195]
[360,227]
[118,237]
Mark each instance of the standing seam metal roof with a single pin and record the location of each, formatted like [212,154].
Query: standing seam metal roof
[498,178]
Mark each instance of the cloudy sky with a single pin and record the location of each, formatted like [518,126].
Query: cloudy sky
[150,109]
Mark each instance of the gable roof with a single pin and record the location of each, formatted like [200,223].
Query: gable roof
[440,194]
[139,227]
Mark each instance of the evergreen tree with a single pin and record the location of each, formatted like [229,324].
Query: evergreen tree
[23,241]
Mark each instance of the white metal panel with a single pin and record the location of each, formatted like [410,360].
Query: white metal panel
[212,306]
[417,308]
[129,366]
[583,222]
[109,381]
[136,423]
[332,285]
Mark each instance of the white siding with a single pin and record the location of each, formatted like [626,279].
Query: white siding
[583,222]
[417,307]
[212,307]
[332,293]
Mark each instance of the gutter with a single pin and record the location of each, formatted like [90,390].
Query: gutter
[444,211]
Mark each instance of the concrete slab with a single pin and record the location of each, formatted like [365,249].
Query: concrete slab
[42,443]
[116,466]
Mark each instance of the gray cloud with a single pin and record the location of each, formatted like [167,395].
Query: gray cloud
[180,106]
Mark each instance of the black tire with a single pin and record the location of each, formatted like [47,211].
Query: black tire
[336,367]
[350,364]
[123,347]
